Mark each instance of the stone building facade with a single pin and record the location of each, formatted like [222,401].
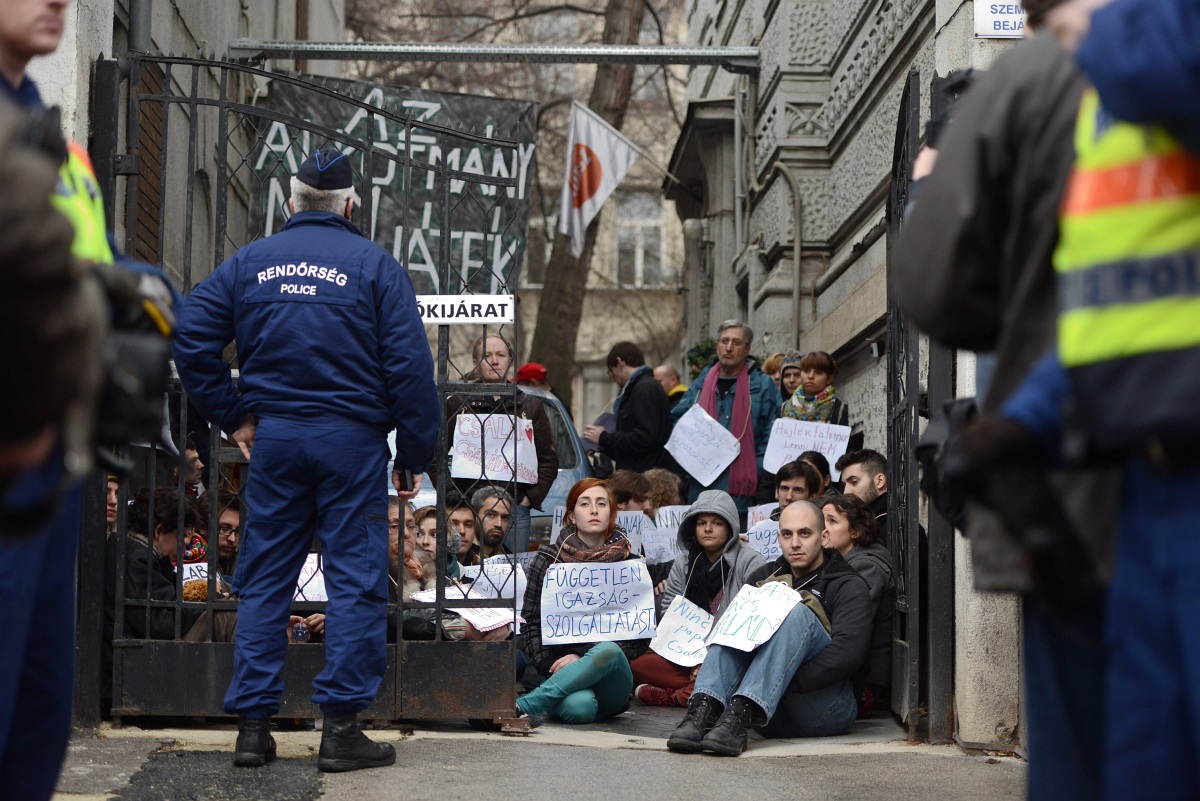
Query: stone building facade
[821,114]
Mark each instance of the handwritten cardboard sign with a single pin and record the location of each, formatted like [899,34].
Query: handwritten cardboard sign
[498,577]
[702,446]
[660,541]
[681,633]
[311,584]
[754,616]
[597,601]
[494,446]
[525,560]
[195,570]
[457,601]
[635,524]
[757,514]
[764,538]
[790,438]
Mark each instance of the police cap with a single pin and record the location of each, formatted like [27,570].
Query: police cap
[326,169]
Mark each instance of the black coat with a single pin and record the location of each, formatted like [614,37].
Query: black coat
[643,425]
[847,601]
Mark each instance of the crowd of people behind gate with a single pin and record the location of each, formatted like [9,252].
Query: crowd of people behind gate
[830,544]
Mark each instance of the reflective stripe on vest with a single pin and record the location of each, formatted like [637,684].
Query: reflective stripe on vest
[77,196]
[1128,257]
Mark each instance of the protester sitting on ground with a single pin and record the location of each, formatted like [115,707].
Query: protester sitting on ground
[460,520]
[494,514]
[712,565]
[631,491]
[666,489]
[864,474]
[582,682]
[800,682]
[852,530]
[493,358]
[112,503]
[818,460]
[412,569]
[426,518]
[789,374]
[795,481]
[228,530]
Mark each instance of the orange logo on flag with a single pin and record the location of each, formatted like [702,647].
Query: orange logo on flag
[585,176]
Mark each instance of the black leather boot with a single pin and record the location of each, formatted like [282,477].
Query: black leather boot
[702,713]
[255,745]
[344,747]
[728,737]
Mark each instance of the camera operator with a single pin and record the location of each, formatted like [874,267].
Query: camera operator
[61,292]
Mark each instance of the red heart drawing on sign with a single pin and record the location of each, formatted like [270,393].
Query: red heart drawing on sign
[529,435]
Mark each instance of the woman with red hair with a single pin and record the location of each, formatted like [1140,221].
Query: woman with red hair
[581,682]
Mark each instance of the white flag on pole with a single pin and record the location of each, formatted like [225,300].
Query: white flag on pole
[598,157]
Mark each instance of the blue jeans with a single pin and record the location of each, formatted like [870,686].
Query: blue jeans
[763,676]
[517,538]
[597,685]
[1153,637]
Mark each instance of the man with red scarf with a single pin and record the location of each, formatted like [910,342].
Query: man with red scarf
[743,399]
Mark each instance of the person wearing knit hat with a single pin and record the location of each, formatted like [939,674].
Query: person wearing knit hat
[333,355]
[789,373]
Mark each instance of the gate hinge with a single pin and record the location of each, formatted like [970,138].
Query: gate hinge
[125,164]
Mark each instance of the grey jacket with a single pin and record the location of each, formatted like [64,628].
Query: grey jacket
[973,263]
[874,563]
[740,560]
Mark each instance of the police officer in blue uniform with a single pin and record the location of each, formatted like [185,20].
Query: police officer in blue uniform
[333,355]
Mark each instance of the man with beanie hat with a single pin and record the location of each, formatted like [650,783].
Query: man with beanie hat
[333,355]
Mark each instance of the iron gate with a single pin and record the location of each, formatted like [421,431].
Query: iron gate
[922,645]
[195,180]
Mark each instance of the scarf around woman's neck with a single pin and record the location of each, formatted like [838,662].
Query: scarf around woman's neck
[817,409]
[572,548]
[743,473]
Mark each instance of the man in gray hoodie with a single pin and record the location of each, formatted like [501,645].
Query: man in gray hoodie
[711,566]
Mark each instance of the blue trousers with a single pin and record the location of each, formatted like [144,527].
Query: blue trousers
[1065,670]
[597,685]
[763,676]
[330,480]
[1153,635]
[517,538]
[37,671]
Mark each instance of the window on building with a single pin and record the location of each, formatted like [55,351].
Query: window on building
[640,240]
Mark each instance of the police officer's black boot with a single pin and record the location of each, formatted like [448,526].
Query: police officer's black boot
[255,745]
[702,713]
[728,737]
[344,747]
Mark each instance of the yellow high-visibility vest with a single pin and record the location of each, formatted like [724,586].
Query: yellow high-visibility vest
[1128,274]
[77,196]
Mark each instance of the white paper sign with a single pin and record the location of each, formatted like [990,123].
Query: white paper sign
[485,447]
[634,523]
[661,541]
[764,538]
[311,584]
[754,616]
[597,601]
[702,446]
[790,438]
[497,576]
[465,309]
[484,619]
[999,20]
[681,633]
[195,570]
[560,514]
[525,560]
[757,514]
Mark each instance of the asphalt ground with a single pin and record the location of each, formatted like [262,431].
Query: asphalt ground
[623,758]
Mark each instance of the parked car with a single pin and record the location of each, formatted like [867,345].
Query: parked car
[573,465]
